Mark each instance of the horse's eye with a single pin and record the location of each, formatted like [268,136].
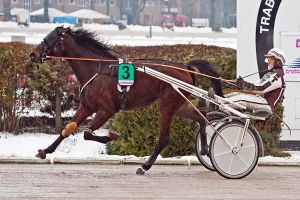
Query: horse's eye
[44,43]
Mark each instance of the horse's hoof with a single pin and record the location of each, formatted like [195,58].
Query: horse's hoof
[41,154]
[146,166]
[140,171]
[113,135]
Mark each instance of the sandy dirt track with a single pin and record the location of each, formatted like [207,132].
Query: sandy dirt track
[79,181]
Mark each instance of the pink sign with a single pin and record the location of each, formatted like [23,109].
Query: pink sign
[298,43]
[292,71]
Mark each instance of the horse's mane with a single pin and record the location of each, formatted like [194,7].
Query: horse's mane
[88,40]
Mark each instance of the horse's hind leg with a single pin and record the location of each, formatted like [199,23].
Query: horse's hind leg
[164,137]
[167,110]
[186,111]
[79,117]
[100,118]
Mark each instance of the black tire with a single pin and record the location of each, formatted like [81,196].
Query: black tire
[244,160]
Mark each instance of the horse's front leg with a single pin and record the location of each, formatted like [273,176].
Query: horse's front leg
[98,121]
[165,119]
[81,114]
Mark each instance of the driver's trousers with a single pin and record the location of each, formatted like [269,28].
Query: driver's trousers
[250,101]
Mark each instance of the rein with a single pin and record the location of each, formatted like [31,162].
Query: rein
[145,63]
[83,59]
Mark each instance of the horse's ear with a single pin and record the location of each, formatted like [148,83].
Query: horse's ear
[63,30]
[67,29]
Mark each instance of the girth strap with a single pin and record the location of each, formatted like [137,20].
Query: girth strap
[123,95]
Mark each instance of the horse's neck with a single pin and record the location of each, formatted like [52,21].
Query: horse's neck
[85,70]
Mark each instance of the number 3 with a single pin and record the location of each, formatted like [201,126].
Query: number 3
[126,72]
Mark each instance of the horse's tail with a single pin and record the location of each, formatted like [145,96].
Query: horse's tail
[205,67]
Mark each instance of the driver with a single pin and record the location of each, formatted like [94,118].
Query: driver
[268,91]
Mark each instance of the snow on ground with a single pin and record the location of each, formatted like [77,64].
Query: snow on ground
[155,41]
[144,41]
[134,35]
[34,111]
[26,146]
[112,27]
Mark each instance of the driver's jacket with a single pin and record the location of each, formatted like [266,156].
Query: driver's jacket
[271,85]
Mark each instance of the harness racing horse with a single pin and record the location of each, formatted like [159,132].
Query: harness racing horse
[99,93]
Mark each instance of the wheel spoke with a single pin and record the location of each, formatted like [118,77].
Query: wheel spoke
[223,139]
[246,147]
[221,154]
[238,137]
[230,163]
[242,159]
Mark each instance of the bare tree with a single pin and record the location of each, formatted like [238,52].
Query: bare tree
[216,13]
[137,7]
[6,6]
[46,6]
[189,9]
[229,18]
[93,4]
[107,7]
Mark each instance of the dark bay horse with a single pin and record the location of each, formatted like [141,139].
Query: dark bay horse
[99,93]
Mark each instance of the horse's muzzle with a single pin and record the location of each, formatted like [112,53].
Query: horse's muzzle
[37,58]
[34,57]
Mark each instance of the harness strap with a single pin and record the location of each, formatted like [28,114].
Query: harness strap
[123,97]
[88,82]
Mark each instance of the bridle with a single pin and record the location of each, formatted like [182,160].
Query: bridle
[51,41]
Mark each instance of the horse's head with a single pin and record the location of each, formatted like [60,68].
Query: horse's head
[50,46]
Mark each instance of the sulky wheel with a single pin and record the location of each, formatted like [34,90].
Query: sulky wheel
[231,158]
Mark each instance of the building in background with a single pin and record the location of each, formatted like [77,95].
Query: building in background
[219,13]
[90,16]
[38,15]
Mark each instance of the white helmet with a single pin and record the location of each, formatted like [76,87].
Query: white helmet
[278,54]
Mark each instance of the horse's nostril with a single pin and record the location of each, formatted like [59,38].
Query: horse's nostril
[32,56]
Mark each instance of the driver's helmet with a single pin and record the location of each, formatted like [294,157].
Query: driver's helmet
[278,54]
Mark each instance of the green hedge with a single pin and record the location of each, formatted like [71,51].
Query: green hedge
[14,66]
[43,82]
[140,134]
